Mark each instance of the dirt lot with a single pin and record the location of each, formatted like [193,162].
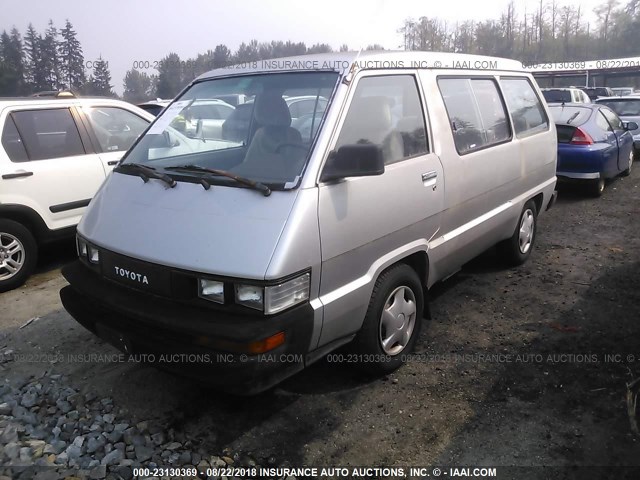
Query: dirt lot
[512,371]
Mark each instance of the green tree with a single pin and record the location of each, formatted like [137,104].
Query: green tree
[138,86]
[320,48]
[99,82]
[50,58]
[34,73]
[72,60]
[11,64]
[170,80]
[221,56]
[247,52]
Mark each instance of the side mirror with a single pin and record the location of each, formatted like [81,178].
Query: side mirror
[358,160]
[630,125]
[167,141]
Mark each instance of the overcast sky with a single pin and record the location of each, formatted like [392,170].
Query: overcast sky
[123,31]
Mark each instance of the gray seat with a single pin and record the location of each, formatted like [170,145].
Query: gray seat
[369,121]
[276,151]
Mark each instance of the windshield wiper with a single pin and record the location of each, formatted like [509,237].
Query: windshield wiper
[573,117]
[146,173]
[261,187]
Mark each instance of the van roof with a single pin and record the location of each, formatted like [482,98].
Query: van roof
[20,101]
[370,60]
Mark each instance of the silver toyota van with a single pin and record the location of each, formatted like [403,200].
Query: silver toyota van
[241,254]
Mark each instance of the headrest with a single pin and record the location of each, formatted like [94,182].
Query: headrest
[271,110]
[369,118]
[374,111]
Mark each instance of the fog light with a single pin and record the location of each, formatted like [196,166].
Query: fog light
[94,255]
[250,296]
[211,290]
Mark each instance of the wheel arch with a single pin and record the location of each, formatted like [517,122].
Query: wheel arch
[419,263]
[27,217]
[538,200]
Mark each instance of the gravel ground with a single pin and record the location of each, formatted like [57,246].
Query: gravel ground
[523,367]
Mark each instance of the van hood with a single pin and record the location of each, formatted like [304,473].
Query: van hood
[224,230]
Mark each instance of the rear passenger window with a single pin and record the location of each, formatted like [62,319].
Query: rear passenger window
[386,111]
[524,105]
[48,133]
[476,112]
[12,142]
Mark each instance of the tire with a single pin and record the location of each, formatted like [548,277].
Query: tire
[18,254]
[596,187]
[627,172]
[517,249]
[398,290]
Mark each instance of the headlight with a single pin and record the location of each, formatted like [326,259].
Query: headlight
[250,296]
[82,247]
[287,294]
[94,255]
[211,290]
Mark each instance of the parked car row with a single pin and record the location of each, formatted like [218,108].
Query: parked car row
[584,94]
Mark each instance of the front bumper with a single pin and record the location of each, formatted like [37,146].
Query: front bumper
[211,342]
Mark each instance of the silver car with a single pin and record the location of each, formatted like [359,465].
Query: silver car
[628,109]
[253,254]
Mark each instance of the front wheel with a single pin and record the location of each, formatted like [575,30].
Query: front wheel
[18,254]
[517,249]
[393,320]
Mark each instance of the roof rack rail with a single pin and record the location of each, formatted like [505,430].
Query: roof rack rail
[55,94]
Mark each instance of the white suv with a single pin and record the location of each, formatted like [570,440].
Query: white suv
[54,154]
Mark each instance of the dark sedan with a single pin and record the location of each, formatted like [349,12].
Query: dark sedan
[593,144]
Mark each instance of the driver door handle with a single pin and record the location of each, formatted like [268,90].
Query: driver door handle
[9,176]
[429,179]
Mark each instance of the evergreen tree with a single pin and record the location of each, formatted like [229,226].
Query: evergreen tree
[34,73]
[138,86]
[11,64]
[170,80]
[101,79]
[49,47]
[320,48]
[221,56]
[72,60]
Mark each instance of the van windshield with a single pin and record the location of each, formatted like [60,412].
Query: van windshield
[259,127]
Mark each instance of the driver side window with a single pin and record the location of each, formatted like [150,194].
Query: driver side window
[386,111]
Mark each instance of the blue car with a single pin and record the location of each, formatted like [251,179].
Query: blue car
[593,144]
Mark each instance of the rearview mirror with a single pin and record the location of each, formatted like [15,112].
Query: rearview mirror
[630,125]
[358,160]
